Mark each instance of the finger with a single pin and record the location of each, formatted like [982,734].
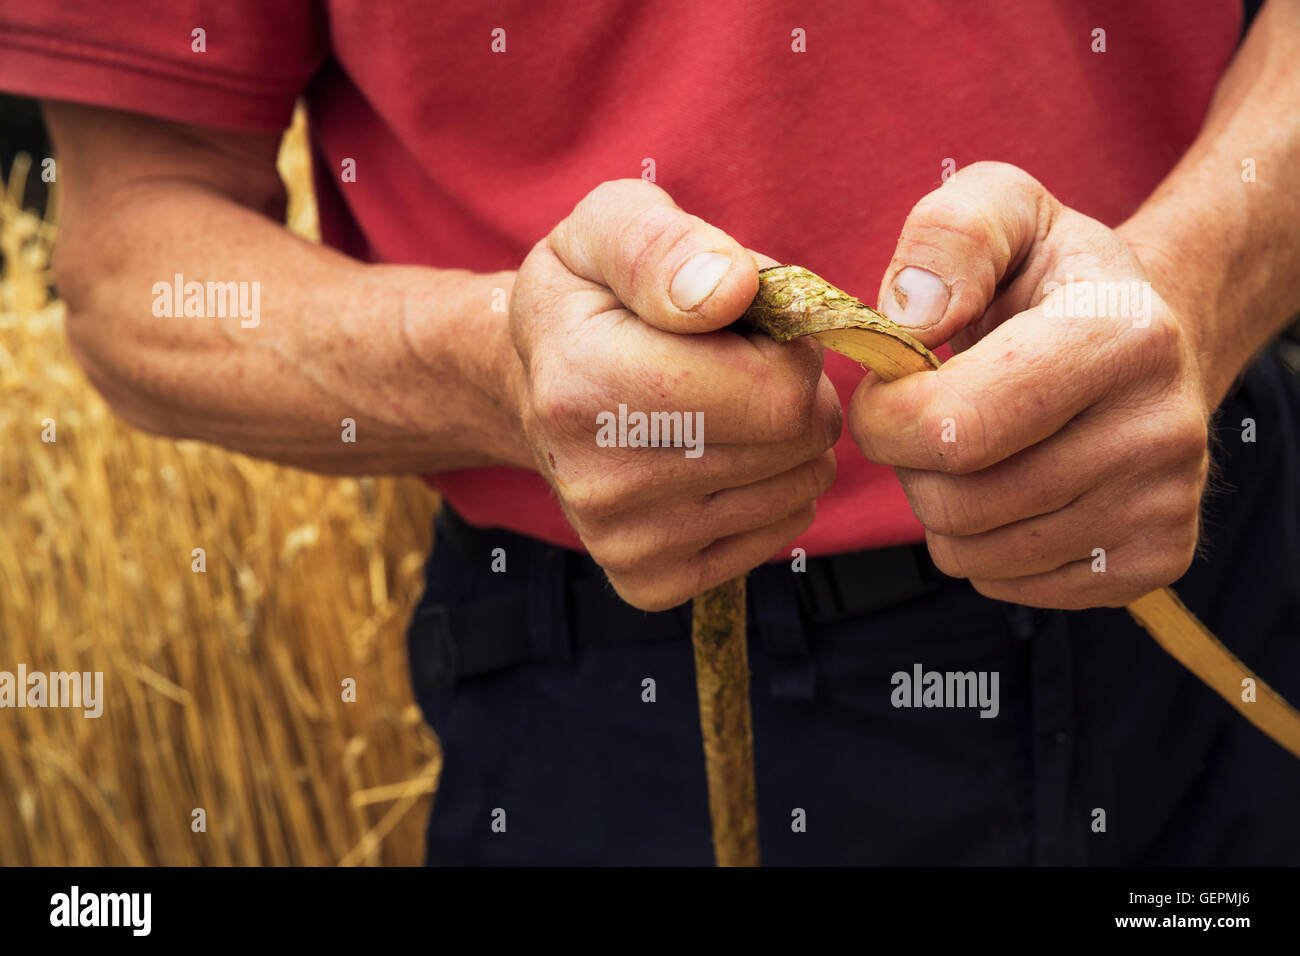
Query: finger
[1036,545]
[695,524]
[674,270]
[1156,507]
[1017,386]
[663,588]
[602,488]
[1042,479]
[740,554]
[748,387]
[1072,587]
[1130,573]
[958,243]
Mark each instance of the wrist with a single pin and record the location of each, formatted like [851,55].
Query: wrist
[489,364]
[1195,290]
[455,333]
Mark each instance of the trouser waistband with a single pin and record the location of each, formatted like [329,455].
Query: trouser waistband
[466,640]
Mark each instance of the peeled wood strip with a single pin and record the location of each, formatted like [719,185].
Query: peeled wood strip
[1190,642]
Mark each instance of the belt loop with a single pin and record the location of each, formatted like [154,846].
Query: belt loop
[547,600]
[778,623]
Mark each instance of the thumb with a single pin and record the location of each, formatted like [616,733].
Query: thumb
[674,270]
[959,243]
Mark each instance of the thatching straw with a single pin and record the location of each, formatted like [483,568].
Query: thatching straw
[223,689]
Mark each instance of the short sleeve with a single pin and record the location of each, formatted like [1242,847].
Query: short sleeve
[228,64]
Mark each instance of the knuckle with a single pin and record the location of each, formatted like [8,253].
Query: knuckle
[595,501]
[949,218]
[540,248]
[803,520]
[1180,554]
[808,482]
[627,548]
[560,405]
[788,406]
[647,594]
[954,214]
[823,474]
[601,195]
[656,589]
[931,517]
[661,600]
[531,295]
[559,411]
[1179,565]
[1013,591]
[1179,436]
[860,425]
[720,514]
[607,197]
[1182,502]
[612,554]
[935,512]
[648,238]
[1160,350]
[1190,436]
[1010,180]
[997,169]
[525,277]
[945,556]
[828,424]
[1164,337]
[711,566]
[1167,564]
[707,569]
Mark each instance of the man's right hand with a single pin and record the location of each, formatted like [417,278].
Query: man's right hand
[626,302]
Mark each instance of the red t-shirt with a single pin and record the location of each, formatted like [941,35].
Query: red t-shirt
[466,156]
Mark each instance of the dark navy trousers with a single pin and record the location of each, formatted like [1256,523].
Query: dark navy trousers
[1104,751]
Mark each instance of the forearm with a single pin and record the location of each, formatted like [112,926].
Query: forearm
[416,357]
[1222,247]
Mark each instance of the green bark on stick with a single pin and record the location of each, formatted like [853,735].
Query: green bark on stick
[793,302]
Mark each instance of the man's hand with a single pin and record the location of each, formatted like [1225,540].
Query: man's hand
[1055,431]
[625,302]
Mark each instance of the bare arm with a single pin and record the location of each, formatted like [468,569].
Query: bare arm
[432,376]
[1224,250]
[415,356]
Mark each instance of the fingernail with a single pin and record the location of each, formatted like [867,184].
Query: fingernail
[696,280]
[916,299]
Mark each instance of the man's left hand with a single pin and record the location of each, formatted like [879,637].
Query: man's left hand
[1058,459]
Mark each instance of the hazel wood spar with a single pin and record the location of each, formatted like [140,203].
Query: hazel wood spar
[793,302]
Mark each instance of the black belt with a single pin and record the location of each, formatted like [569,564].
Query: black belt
[466,640]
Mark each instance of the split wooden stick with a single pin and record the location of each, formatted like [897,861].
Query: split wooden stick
[793,302]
